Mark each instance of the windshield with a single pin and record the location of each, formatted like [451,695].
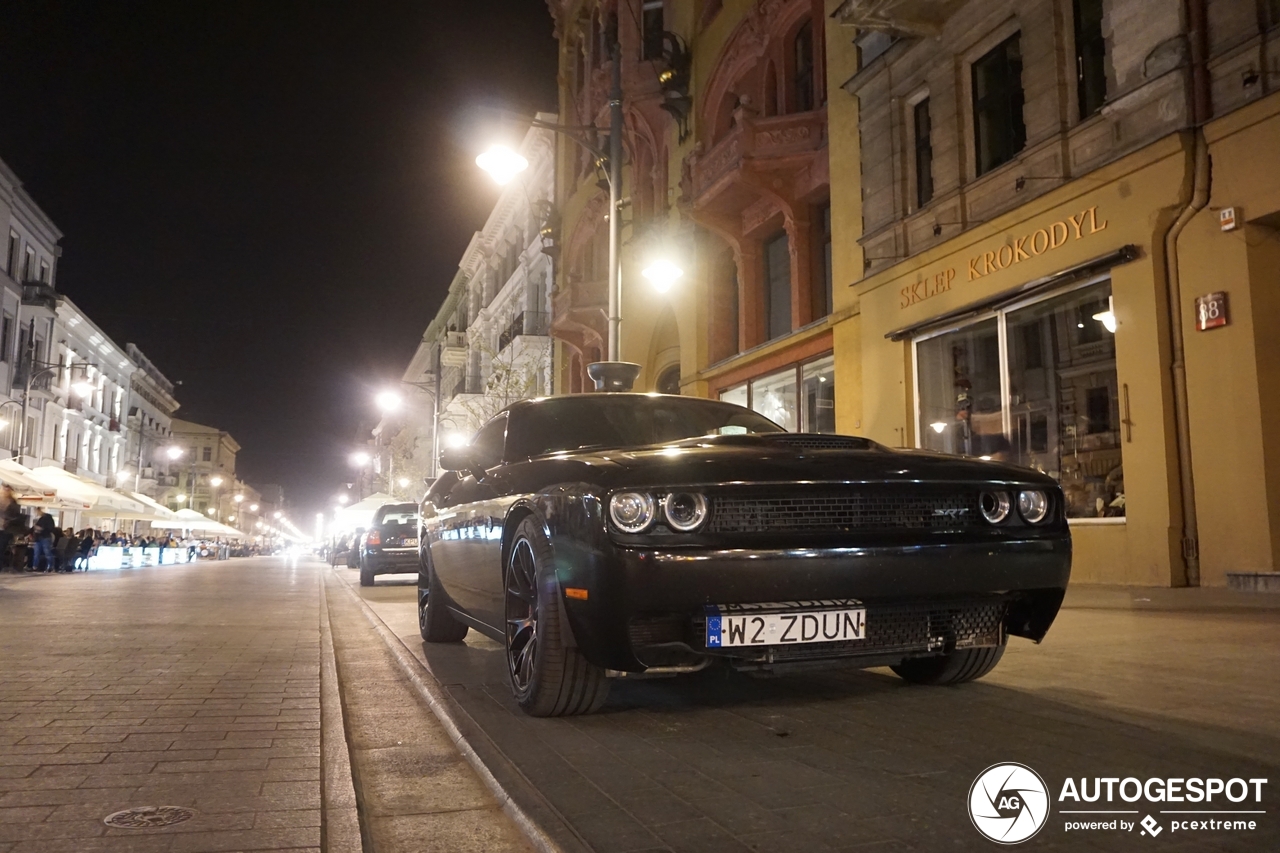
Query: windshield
[624,420]
[397,515]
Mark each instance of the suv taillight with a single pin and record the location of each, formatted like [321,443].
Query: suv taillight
[375,538]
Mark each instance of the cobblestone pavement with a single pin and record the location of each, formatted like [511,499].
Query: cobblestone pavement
[854,760]
[193,686]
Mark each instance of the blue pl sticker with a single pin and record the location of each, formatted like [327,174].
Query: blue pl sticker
[713,626]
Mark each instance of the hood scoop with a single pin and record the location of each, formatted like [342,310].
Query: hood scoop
[818,441]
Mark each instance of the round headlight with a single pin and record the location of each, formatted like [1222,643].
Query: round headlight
[994,506]
[633,512]
[1033,505]
[685,511]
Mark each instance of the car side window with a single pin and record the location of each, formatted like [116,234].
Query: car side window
[490,442]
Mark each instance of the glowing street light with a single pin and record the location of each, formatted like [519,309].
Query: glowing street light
[455,439]
[173,452]
[83,387]
[502,164]
[180,498]
[278,514]
[360,458]
[238,498]
[662,274]
[389,401]
[215,481]
[342,499]
[253,507]
[404,482]
[938,426]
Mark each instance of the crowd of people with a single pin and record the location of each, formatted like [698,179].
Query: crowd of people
[42,546]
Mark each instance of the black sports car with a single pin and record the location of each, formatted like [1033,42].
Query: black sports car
[391,543]
[601,535]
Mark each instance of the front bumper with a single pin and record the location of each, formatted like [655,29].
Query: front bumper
[645,606]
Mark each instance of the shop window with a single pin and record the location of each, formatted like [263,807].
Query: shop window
[651,29]
[775,396]
[999,131]
[1091,54]
[804,65]
[799,398]
[924,154]
[1054,406]
[818,395]
[777,262]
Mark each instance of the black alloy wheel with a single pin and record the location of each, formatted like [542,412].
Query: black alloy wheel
[548,677]
[522,615]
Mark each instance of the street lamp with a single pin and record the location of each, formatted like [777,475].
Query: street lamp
[342,499]
[278,515]
[253,507]
[389,401]
[504,164]
[663,274]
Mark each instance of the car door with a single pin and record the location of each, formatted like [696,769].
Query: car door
[466,553]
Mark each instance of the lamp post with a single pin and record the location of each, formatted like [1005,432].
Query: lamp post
[613,374]
[390,402]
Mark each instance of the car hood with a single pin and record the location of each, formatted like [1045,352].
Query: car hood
[789,457]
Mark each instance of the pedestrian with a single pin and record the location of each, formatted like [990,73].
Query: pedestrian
[10,522]
[65,550]
[43,533]
[85,549]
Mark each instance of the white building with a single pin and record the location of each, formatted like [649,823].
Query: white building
[84,433]
[28,302]
[149,426]
[488,345]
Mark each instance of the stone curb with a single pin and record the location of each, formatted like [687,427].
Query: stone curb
[340,819]
[492,766]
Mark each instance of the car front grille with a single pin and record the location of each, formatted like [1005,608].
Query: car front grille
[816,441]
[848,511]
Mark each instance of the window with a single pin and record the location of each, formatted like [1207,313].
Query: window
[490,442]
[999,132]
[6,336]
[1054,407]
[805,88]
[801,397]
[28,262]
[1091,52]
[651,27]
[44,271]
[11,258]
[206,454]
[1272,13]
[777,264]
[924,154]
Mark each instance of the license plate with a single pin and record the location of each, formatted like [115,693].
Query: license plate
[778,625]
[409,540]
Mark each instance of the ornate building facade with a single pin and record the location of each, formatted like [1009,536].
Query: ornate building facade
[725,176]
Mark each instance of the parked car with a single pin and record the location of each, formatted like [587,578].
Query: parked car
[390,545]
[605,534]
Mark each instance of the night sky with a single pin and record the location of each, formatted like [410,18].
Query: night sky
[269,198]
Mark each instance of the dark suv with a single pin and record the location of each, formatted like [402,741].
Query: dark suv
[391,544]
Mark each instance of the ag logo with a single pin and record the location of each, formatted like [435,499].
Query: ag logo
[1008,803]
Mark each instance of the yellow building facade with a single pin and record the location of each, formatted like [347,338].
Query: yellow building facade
[1098,303]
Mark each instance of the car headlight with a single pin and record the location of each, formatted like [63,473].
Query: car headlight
[632,512]
[994,506]
[1033,505]
[685,511]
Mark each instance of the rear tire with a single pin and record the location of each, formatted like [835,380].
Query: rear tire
[435,623]
[958,667]
[366,575]
[548,678]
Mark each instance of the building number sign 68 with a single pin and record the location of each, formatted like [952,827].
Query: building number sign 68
[1211,311]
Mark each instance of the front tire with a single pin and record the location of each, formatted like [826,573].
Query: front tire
[958,667]
[366,575]
[548,678]
[435,623]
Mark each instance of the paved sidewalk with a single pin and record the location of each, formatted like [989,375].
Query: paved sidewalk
[193,686]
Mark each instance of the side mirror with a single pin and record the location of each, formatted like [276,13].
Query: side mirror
[462,460]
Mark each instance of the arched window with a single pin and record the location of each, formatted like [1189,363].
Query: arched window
[805,88]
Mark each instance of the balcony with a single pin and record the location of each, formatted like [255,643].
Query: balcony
[777,143]
[453,350]
[914,18]
[37,294]
[524,323]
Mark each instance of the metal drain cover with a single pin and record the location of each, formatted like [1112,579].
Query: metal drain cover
[148,817]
